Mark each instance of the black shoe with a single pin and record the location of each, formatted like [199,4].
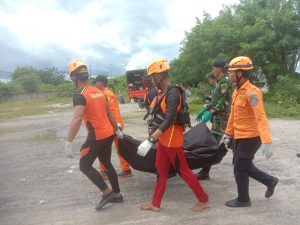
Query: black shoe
[271,188]
[235,203]
[118,199]
[105,199]
[298,155]
[203,176]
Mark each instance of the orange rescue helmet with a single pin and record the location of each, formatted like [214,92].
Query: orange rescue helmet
[158,66]
[74,65]
[240,63]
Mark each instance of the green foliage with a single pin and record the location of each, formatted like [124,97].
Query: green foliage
[286,92]
[268,31]
[276,111]
[65,89]
[51,76]
[199,92]
[23,71]
[7,89]
[66,86]
[29,82]
[34,80]
[47,76]
[194,107]
[119,85]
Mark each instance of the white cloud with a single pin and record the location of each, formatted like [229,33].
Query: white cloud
[181,17]
[141,59]
[132,32]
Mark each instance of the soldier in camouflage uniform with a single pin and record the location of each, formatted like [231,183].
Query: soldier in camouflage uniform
[217,110]
[212,80]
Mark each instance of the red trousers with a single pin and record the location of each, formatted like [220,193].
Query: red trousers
[165,157]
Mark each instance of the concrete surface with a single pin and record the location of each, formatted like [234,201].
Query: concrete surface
[39,185]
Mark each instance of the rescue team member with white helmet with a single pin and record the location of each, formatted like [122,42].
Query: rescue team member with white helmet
[90,105]
[249,126]
[169,135]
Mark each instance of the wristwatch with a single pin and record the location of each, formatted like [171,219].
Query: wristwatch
[152,140]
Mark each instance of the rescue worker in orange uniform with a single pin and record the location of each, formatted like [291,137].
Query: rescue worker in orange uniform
[169,138]
[249,126]
[90,105]
[101,83]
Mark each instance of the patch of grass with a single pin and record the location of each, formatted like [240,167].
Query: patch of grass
[284,112]
[13,109]
[194,107]
[58,100]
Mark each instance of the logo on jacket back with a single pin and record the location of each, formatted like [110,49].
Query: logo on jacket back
[98,95]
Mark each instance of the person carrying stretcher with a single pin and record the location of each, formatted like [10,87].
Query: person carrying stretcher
[169,138]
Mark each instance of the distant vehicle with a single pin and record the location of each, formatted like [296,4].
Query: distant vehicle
[137,84]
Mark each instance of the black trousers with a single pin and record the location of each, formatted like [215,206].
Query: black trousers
[244,152]
[206,169]
[92,149]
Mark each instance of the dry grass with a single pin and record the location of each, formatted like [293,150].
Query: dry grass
[13,109]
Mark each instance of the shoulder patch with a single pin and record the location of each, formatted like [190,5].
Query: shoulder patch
[253,99]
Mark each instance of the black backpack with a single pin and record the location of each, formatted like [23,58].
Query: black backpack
[183,116]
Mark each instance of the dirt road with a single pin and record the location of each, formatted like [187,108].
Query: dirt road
[39,185]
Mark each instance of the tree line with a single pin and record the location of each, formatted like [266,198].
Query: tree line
[31,80]
[268,31]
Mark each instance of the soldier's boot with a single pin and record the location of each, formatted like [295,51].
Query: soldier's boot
[203,174]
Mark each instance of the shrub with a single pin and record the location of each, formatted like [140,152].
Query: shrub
[286,92]
[29,82]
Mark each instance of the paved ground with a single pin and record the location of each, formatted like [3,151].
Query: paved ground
[39,185]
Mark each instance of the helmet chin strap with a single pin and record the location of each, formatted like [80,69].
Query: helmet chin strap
[238,80]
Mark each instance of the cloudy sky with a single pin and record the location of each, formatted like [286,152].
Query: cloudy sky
[111,36]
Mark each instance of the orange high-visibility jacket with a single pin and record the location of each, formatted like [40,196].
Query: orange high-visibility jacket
[173,136]
[248,117]
[95,116]
[114,105]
